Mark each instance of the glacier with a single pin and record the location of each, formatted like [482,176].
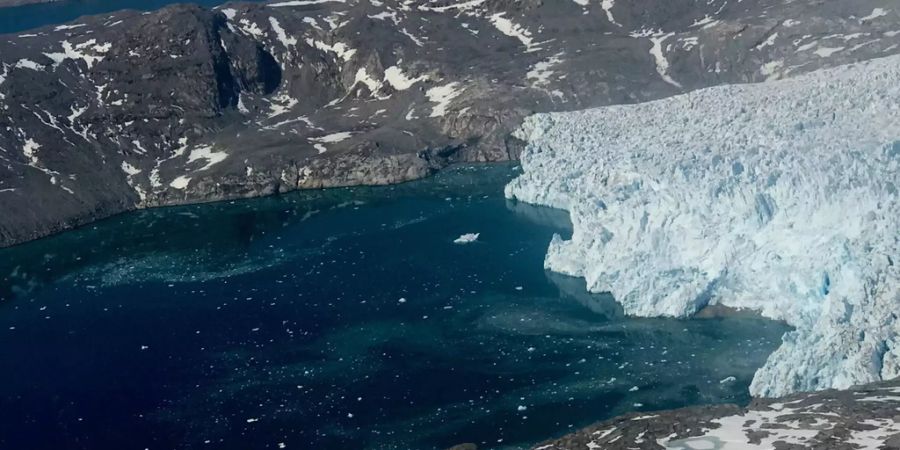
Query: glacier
[780,197]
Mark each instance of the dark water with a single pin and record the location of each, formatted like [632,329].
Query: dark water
[21,18]
[279,322]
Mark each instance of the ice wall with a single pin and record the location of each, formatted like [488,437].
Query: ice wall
[781,197]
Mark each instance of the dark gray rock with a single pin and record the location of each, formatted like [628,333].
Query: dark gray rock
[134,110]
[864,417]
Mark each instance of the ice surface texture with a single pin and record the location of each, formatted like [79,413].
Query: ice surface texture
[780,197]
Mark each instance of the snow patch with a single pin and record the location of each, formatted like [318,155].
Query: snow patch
[442,95]
[80,51]
[28,64]
[343,51]
[129,169]
[303,3]
[876,13]
[68,27]
[662,64]
[540,73]
[461,6]
[207,154]
[180,183]
[395,77]
[332,138]
[29,149]
[607,6]
[282,35]
[229,13]
[511,29]
[825,52]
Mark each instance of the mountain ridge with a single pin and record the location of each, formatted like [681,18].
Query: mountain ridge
[132,110]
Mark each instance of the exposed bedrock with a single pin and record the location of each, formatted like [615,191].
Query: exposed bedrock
[864,417]
[131,110]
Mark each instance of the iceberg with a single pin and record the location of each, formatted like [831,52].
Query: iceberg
[467,238]
[780,197]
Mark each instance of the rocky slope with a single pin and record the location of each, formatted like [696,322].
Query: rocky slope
[865,417]
[134,110]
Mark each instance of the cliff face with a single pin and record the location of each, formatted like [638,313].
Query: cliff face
[134,110]
[862,417]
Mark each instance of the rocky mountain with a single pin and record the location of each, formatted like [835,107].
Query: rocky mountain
[865,417]
[134,110]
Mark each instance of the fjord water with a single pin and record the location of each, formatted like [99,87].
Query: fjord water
[336,319]
[26,17]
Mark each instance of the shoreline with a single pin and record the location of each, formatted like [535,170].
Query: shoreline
[830,419]
[63,228]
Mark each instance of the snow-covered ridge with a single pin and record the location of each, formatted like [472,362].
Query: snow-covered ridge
[781,197]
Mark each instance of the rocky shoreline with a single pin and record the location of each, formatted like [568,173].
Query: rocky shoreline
[134,110]
[863,417]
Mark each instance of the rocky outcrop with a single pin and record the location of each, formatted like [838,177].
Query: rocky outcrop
[864,417]
[133,110]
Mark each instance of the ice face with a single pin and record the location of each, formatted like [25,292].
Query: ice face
[780,197]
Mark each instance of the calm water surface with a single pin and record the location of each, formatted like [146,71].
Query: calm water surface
[21,18]
[339,319]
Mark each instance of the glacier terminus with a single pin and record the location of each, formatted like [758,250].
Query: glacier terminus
[780,197]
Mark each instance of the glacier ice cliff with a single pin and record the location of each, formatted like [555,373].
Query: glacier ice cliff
[779,196]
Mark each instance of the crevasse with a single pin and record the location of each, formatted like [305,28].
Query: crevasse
[781,197]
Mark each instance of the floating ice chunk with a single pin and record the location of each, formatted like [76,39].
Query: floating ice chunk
[780,197]
[467,238]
